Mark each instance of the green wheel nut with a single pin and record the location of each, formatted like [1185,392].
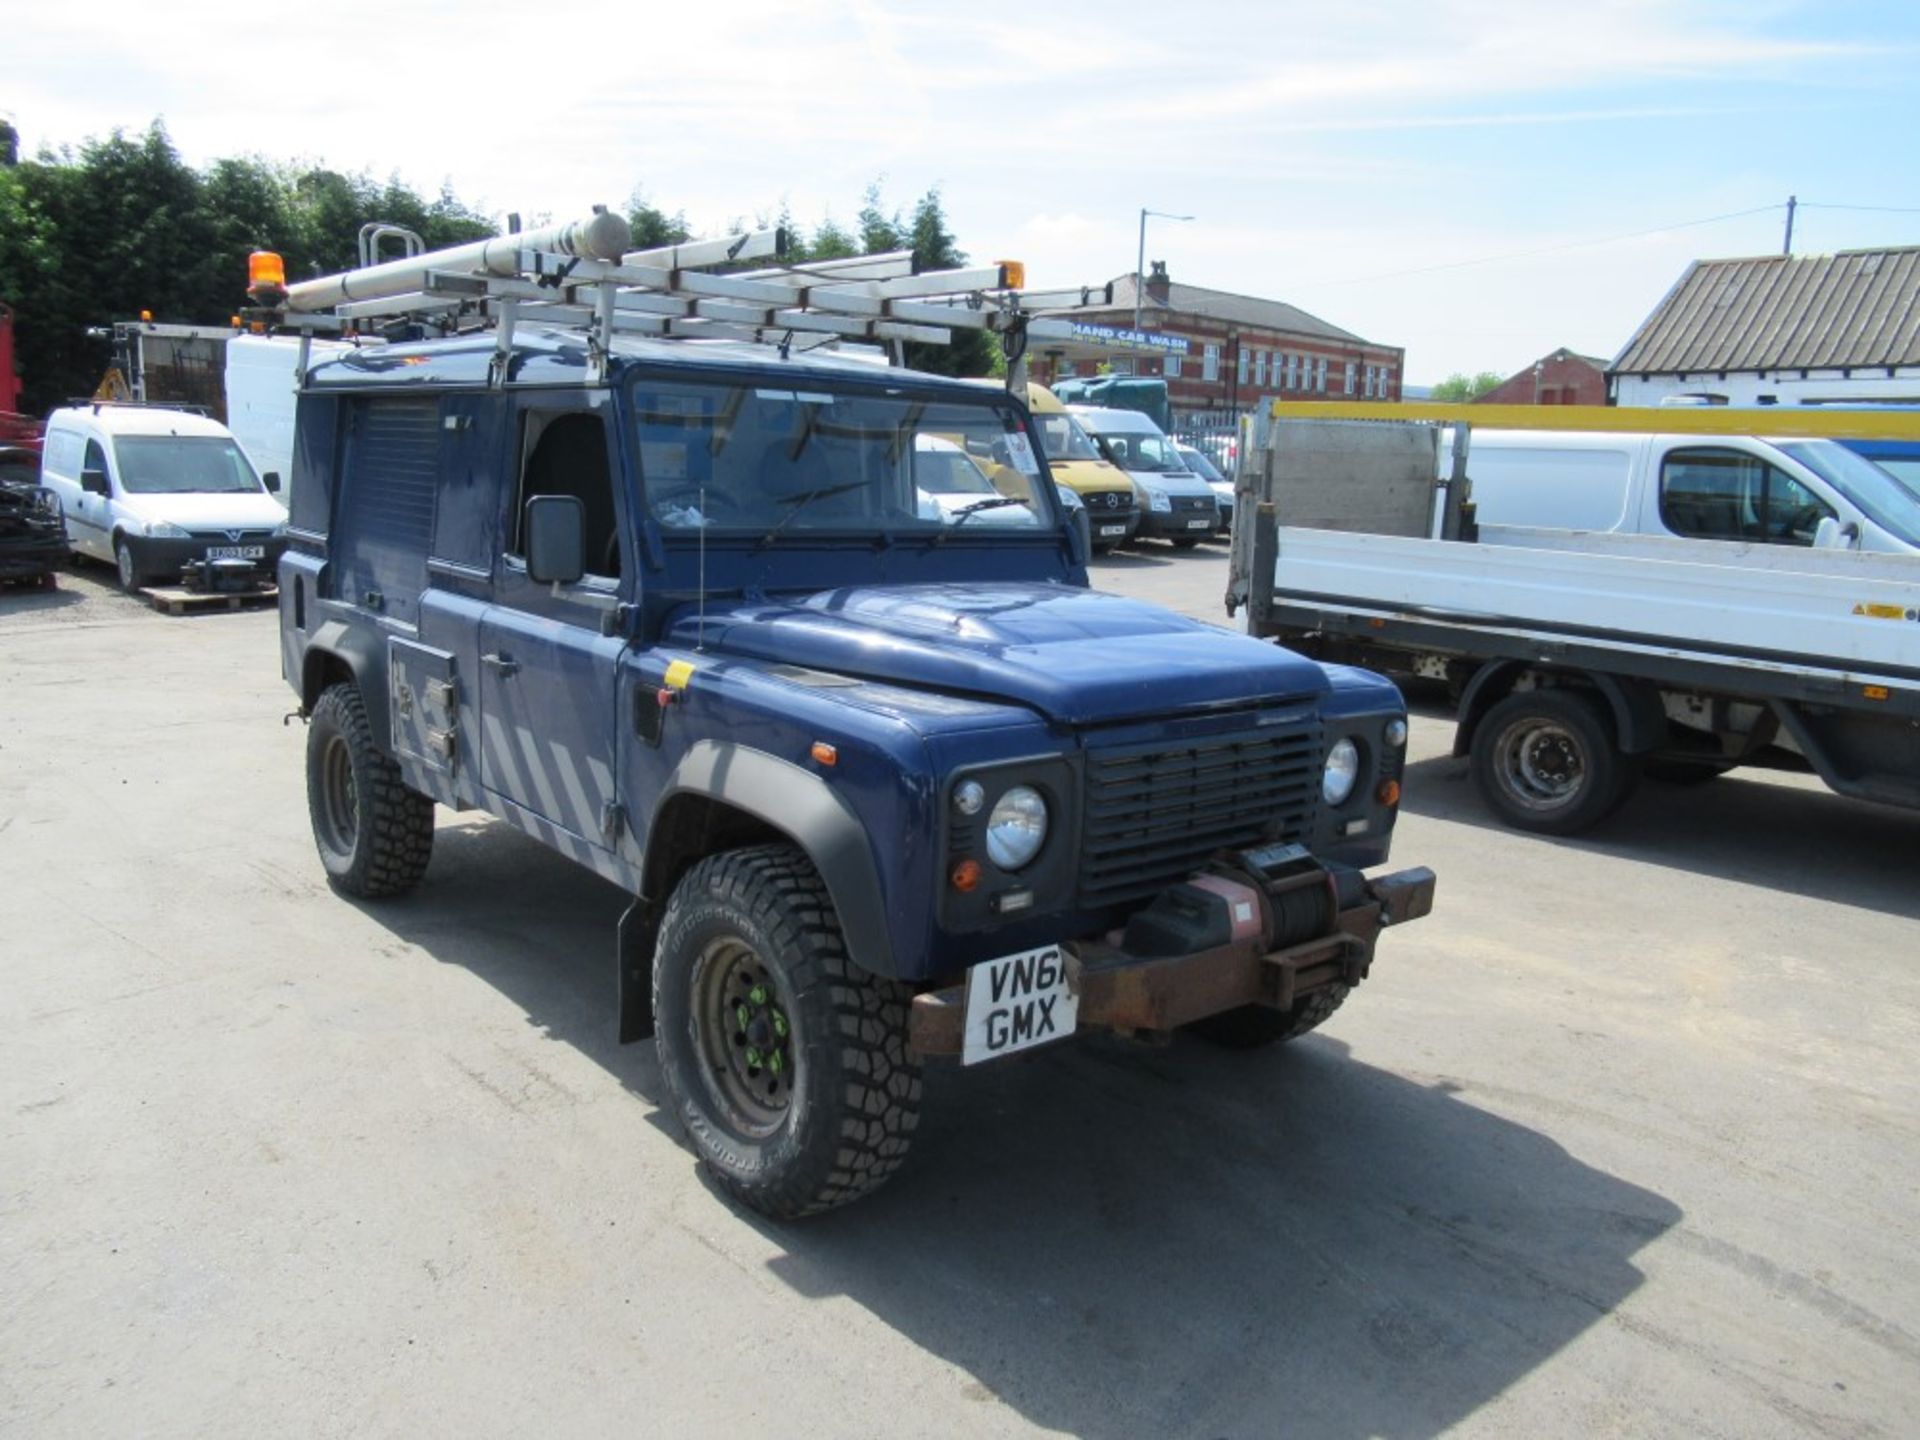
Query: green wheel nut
[744,1016]
[773,1062]
[779,1024]
[753,1057]
[758,995]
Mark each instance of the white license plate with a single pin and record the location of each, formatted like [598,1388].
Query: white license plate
[236,552]
[1113,529]
[1016,1002]
[1199,524]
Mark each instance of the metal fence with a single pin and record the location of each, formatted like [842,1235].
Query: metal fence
[1215,433]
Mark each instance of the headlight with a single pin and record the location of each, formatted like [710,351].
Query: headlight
[1157,498]
[1396,733]
[1016,828]
[1343,769]
[162,530]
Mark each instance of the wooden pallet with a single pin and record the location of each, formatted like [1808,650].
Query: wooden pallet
[177,600]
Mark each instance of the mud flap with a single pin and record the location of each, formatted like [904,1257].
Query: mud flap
[638,929]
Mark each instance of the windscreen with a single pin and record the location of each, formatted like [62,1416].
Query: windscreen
[184,465]
[1882,498]
[1063,438]
[1142,451]
[779,462]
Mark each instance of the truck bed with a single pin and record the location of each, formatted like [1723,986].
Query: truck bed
[1845,617]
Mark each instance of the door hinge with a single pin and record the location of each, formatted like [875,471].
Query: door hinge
[612,816]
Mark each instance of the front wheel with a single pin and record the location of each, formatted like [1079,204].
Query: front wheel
[1185,544]
[786,1064]
[127,567]
[1546,761]
[374,835]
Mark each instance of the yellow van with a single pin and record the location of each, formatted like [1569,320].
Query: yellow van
[1103,487]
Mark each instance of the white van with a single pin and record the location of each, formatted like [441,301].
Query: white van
[152,491]
[1696,487]
[1175,503]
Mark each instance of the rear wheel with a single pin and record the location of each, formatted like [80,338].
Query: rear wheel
[1546,761]
[374,834]
[787,1065]
[1254,1027]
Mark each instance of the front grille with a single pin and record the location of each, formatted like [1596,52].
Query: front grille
[232,537]
[1193,502]
[1154,811]
[1109,502]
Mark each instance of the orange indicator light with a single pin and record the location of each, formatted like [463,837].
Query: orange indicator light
[966,875]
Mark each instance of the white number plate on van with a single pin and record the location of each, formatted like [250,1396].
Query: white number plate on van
[1199,524]
[236,552]
[1113,530]
[1016,1002]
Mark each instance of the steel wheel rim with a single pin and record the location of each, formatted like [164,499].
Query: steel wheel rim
[743,1034]
[339,796]
[1541,764]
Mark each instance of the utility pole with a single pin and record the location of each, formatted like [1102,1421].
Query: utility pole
[1787,247]
[1140,260]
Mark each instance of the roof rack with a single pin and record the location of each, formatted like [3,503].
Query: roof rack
[581,275]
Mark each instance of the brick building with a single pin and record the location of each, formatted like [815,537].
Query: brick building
[1562,378]
[1219,352]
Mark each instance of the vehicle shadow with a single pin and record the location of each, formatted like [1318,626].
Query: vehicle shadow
[33,598]
[1744,826]
[1118,1241]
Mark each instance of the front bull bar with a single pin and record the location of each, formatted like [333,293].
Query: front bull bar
[1145,995]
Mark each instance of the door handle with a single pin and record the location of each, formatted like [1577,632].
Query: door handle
[505,664]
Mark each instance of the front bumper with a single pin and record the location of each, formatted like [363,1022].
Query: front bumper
[171,557]
[1195,524]
[1140,994]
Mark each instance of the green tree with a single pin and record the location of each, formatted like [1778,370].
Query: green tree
[972,351]
[652,226]
[1460,387]
[830,242]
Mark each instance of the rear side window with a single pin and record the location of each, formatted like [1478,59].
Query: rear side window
[1712,494]
[62,456]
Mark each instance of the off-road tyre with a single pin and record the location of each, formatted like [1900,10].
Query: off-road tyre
[374,834]
[1254,1027]
[851,1097]
[1547,761]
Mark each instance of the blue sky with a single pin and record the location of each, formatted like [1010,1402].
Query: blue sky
[1325,150]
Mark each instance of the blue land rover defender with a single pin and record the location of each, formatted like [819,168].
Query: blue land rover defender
[752,634]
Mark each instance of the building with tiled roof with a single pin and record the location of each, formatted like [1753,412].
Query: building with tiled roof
[1220,352]
[1781,330]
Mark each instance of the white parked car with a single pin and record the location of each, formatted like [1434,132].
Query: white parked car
[154,492]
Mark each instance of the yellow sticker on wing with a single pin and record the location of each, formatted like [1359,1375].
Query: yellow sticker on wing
[678,673]
[1881,612]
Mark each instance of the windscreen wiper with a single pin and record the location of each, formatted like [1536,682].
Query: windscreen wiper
[967,512]
[804,499]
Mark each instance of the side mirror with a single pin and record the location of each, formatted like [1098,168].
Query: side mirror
[1830,534]
[94,481]
[272,481]
[1079,537]
[556,539]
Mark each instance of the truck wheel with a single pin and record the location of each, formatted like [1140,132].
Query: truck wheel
[1546,761]
[787,1065]
[375,836]
[1254,1027]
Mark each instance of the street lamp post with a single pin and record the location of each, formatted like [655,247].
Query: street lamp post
[1140,260]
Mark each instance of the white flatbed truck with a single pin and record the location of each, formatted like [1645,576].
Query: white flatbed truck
[1580,660]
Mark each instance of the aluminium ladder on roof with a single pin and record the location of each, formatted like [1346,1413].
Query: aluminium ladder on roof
[581,275]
